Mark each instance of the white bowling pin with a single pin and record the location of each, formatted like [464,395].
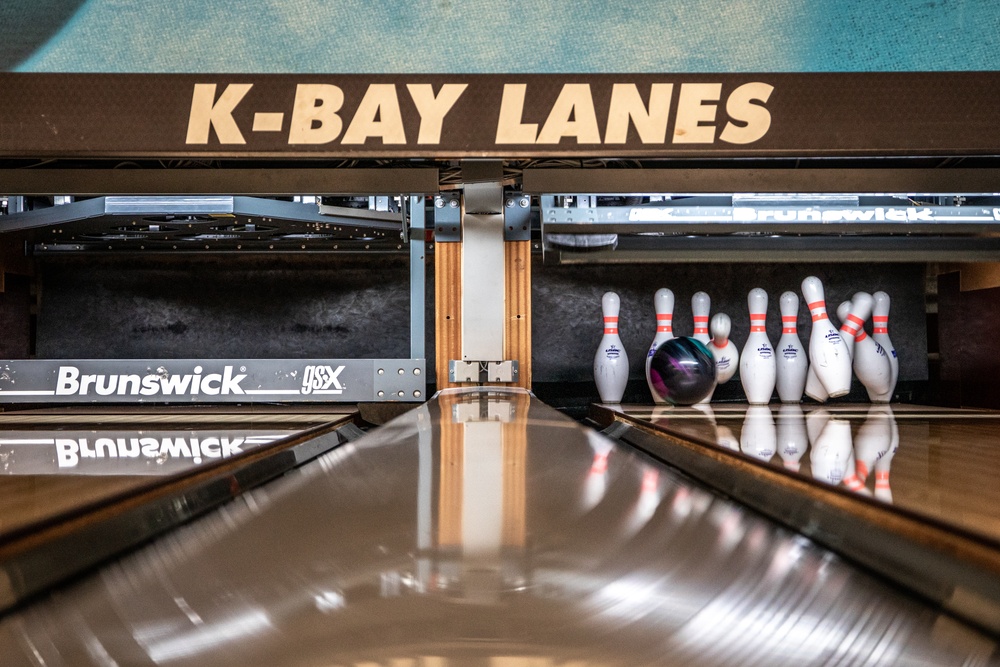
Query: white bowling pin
[846,331]
[757,364]
[870,362]
[880,332]
[827,352]
[792,362]
[815,388]
[611,362]
[727,357]
[723,349]
[792,439]
[701,306]
[759,436]
[663,303]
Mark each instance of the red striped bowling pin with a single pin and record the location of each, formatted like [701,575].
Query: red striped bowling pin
[757,365]
[611,362]
[828,354]
[792,361]
[880,332]
[723,349]
[663,304]
[701,306]
[871,364]
[815,388]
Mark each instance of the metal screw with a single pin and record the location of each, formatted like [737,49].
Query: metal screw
[509,203]
[453,203]
[416,394]
[401,371]
[439,203]
[381,393]
[416,371]
[381,371]
[523,203]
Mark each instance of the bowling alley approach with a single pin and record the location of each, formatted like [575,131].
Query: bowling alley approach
[518,371]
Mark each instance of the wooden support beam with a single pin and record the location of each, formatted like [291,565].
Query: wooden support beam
[517,334]
[447,309]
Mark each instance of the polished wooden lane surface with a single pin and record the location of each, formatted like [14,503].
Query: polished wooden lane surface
[940,463]
[484,528]
[56,461]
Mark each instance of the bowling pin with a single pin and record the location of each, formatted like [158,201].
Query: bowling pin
[792,363]
[880,332]
[792,438]
[815,388]
[870,362]
[828,354]
[757,364]
[611,362]
[759,436]
[846,332]
[724,351]
[663,304]
[701,305]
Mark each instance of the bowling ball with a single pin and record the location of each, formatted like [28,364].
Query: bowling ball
[682,371]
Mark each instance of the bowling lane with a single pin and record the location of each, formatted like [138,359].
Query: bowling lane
[484,528]
[78,485]
[55,461]
[907,490]
[939,463]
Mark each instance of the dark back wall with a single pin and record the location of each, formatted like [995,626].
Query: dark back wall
[349,306]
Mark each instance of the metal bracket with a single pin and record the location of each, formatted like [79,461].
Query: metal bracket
[517,217]
[448,218]
[482,371]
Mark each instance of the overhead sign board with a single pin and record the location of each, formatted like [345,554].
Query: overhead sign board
[530,115]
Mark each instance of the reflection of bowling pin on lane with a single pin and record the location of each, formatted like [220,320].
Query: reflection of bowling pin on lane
[827,353]
[882,490]
[759,436]
[596,483]
[815,423]
[663,304]
[611,362]
[873,440]
[724,351]
[870,362]
[792,363]
[880,332]
[832,451]
[701,306]
[757,365]
[792,439]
